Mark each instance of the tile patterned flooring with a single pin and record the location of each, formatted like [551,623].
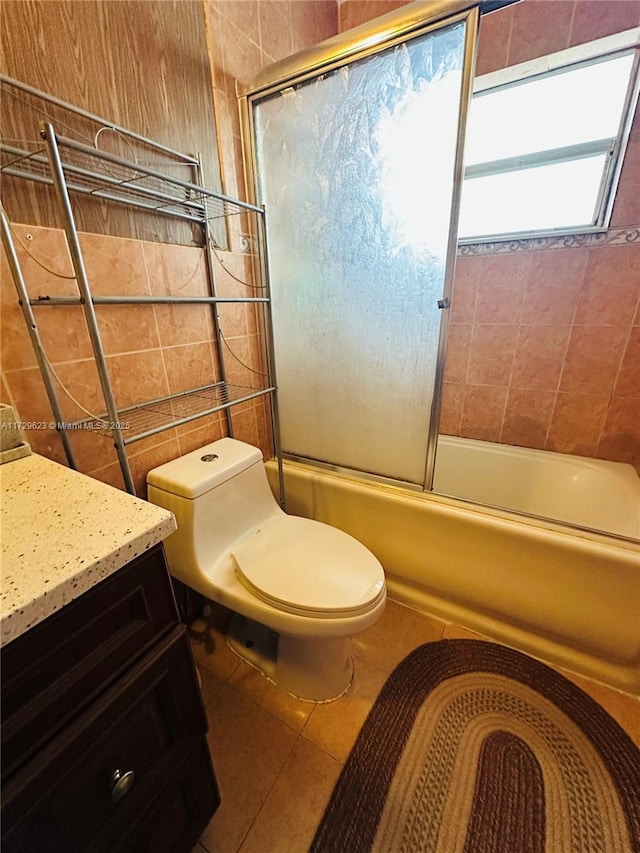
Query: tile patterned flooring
[277,758]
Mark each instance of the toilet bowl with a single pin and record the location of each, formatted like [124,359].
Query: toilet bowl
[298,588]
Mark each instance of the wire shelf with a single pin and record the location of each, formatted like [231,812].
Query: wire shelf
[155,179]
[95,172]
[154,416]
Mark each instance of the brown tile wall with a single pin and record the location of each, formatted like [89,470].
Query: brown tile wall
[160,349]
[151,350]
[544,346]
[524,30]
[544,351]
[534,28]
[243,37]
[354,12]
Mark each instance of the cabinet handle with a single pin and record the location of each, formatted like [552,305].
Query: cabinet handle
[121,783]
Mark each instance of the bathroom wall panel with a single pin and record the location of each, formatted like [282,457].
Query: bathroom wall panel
[620,436]
[483,411]
[568,401]
[628,382]
[539,28]
[539,357]
[143,65]
[609,291]
[593,360]
[594,19]
[355,12]
[493,41]
[141,266]
[577,423]
[151,350]
[527,417]
[196,434]
[575,336]
[553,286]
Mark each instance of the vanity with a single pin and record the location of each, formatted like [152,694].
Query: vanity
[103,727]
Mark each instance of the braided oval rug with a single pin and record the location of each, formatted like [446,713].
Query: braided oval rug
[475,748]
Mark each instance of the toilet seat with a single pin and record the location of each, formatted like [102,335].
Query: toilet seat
[308,568]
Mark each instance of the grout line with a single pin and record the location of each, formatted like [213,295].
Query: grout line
[466,384]
[572,324]
[271,787]
[509,35]
[155,315]
[242,32]
[571,22]
[613,389]
[520,324]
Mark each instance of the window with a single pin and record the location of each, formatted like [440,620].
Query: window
[546,139]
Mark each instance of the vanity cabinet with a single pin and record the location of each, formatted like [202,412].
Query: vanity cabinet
[104,731]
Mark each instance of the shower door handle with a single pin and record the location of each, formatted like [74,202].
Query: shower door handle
[444,303]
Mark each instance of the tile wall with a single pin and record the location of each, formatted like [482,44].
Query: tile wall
[354,12]
[152,350]
[544,344]
[156,350]
[527,29]
[534,28]
[544,348]
[245,36]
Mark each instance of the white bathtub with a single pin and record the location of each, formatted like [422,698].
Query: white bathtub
[566,596]
[587,492]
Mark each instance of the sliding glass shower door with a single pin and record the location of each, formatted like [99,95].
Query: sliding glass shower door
[358,165]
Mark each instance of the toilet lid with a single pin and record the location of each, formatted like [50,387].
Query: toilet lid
[304,566]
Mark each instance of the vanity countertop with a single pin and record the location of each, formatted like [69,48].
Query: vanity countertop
[63,533]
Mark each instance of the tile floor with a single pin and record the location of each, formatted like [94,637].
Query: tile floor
[277,758]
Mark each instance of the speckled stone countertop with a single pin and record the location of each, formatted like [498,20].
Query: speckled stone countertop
[63,533]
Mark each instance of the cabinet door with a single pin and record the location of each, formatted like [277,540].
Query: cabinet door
[55,669]
[66,799]
[178,816]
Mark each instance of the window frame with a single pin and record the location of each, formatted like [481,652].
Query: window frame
[590,53]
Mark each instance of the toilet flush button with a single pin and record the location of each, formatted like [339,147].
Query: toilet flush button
[209,457]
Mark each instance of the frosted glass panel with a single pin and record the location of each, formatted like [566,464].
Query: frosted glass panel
[356,171]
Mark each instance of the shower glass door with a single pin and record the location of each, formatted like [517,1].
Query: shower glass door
[359,167]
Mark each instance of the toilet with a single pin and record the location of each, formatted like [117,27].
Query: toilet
[298,588]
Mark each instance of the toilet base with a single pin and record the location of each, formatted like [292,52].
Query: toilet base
[308,668]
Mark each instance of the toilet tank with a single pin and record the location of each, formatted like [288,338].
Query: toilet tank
[218,494]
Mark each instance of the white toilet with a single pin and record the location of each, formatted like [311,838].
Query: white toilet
[299,588]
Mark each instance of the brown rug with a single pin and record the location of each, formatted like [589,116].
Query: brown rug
[475,748]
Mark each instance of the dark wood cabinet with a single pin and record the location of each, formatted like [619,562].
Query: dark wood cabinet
[104,736]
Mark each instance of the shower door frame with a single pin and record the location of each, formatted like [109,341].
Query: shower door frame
[402,25]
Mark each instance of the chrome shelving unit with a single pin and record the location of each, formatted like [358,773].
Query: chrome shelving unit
[73,167]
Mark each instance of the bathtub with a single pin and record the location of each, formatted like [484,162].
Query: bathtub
[567,596]
[587,492]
